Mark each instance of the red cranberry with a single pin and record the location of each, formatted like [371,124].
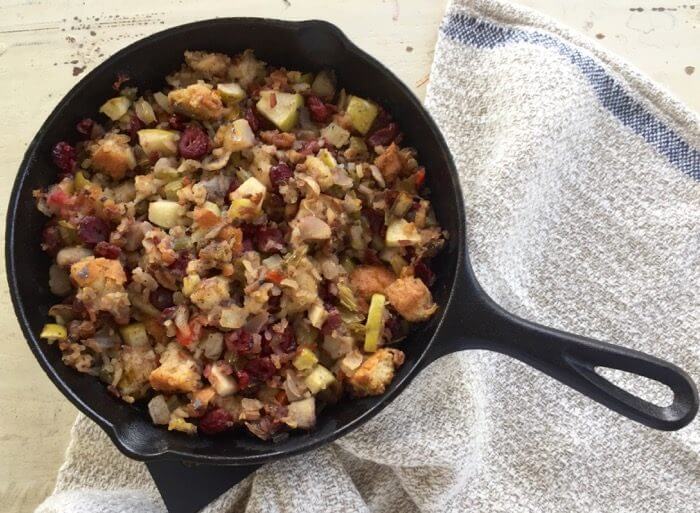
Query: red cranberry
[319,111]
[333,321]
[162,298]
[260,369]
[375,219]
[235,184]
[107,250]
[135,124]
[371,257]
[280,174]
[179,266]
[51,241]
[215,421]
[382,120]
[64,156]
[310,147]
[168,314]
[384,136]
[243,379]
[273,304]
[194,143]
[84,127]
[92,230]
[424,273]
[176,121]
[288,342]
[239,341]
[120,80]
[269,239]
[252,119]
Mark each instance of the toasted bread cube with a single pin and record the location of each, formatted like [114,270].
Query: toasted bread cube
[373,376]
[112,156]
[178,372]
[411,298]
[367,280]
[138,363]
[197,101]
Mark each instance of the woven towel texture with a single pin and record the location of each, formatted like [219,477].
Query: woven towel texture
[582,186]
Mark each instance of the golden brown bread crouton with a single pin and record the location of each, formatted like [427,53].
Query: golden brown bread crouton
[390,163]
[377,371]
[366,280]
[113,156]
[178,372]
[209,65]
[197,101]
[92,271]
[210,293]
[137,363]
[411,298]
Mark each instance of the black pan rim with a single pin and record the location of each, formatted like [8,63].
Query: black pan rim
[109,427]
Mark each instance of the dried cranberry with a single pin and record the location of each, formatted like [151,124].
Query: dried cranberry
[215,421]
[261,369]
[235,184]
[324,292]
[84,127]
[333,321]
[176,121]
[288,342]
[179,266]
[194,143]
[384,136]
[243,378]
[382,120]
[319,111]
[121,79]
[239,341]
[64,156]
[269,239]
[275,207]
[424,273]
[162,298]
[273,304]
[393,325]
[51,240]
[252,119]
[371,257]
[92,230]
[279,175]
[168,314]
[135,124]
[375,219]
[107,250]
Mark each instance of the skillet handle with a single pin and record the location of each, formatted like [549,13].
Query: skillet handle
[571,359]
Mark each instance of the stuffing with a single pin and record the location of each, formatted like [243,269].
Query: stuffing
[113,156]
[177,372]
[411,298]
[137,364]
[366,280]
[390,163]
[376,372]
[197,101]
[209,65]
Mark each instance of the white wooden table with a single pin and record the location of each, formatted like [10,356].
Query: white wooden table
[47,45]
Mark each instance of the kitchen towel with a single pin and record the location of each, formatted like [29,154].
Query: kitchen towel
[582,185]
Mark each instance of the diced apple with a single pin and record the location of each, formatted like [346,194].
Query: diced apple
[362,113]
[375,323]
[144,111]
[135,335]
[335,135]
[236,136]
[223,384]
[305,359]
[165,214]
[324,84]
[301,414]
[116,107]
[231,92]
[156,140]
[247,200]
[319,379]
[280,108]
[53,332]
[402,233]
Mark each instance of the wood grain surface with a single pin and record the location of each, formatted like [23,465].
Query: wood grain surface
[46,46]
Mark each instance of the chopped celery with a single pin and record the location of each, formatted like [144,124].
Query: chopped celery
[347,297]
[305,359]
[327,158]
[170,189]
[80,181]
[135,335]
[375,323]
[53,332]
[69,233]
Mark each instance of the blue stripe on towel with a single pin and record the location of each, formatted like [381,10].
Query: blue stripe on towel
[612,94]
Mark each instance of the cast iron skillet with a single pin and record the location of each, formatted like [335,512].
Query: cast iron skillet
[467,319]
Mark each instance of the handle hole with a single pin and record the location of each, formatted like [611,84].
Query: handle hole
[645,388]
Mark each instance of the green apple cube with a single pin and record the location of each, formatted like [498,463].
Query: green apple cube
[280,108]
[362,113]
